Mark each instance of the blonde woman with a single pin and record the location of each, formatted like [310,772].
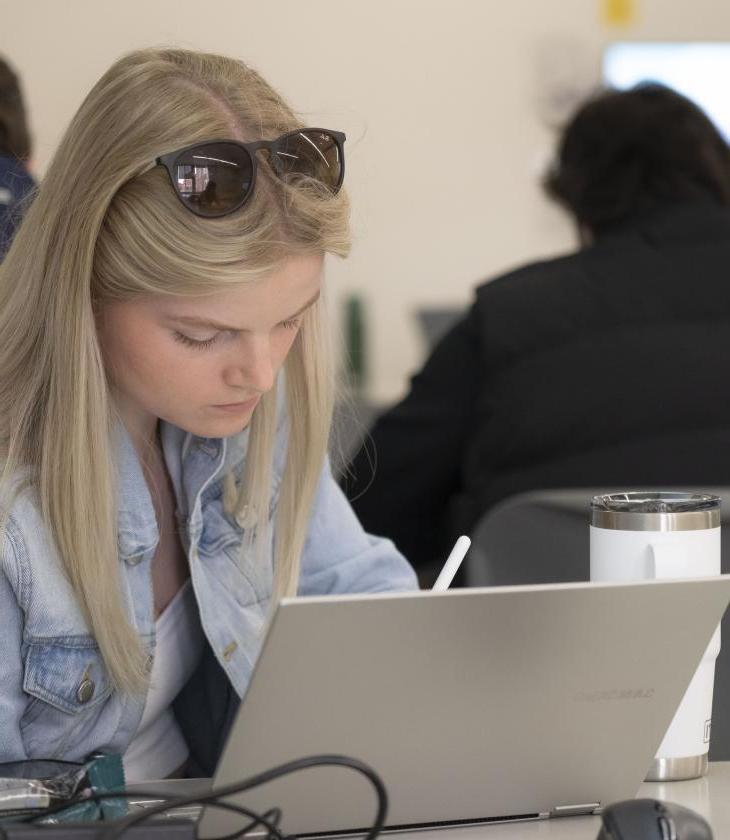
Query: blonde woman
[165,403]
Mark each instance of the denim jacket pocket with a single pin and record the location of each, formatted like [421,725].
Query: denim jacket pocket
[67,683]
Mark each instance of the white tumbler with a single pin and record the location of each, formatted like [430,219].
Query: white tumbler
[642,536]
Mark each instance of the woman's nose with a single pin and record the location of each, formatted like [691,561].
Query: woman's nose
[253,369]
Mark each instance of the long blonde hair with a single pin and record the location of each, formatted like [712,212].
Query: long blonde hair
[106,226]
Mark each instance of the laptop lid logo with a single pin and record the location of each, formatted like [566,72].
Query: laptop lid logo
[614,694]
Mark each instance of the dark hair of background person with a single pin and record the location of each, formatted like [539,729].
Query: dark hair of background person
[625,153]
[14,135]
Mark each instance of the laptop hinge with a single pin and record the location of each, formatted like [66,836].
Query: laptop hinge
[574,810]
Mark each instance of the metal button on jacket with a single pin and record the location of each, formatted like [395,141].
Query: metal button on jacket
[85,691]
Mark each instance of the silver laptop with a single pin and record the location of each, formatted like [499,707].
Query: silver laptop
[472,705]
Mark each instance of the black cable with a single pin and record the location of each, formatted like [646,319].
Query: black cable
[273,815]
[115,831]
[270,819]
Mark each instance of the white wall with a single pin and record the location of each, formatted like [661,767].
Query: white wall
[446,104]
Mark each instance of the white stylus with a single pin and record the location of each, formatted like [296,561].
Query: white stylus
[451,566]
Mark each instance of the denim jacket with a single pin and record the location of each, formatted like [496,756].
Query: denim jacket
[56,700]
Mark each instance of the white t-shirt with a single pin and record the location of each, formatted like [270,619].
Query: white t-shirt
[158,747]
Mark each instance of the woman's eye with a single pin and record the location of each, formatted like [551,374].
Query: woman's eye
[193,342]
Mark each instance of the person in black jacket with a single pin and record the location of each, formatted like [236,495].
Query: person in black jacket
[609,366]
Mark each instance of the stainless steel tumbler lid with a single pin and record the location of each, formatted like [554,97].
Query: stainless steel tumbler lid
[655,511]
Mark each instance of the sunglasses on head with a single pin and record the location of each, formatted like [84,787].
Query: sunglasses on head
[217,177]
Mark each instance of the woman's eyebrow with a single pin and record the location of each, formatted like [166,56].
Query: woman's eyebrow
[197,321]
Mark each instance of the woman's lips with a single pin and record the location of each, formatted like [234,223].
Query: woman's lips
[240,407]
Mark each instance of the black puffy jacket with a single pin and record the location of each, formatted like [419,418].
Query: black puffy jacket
[607,367]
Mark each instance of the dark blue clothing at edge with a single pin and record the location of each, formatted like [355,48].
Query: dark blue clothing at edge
[16,183]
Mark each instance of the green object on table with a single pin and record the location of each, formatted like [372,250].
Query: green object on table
[356,341]
[105,773]
[35,786]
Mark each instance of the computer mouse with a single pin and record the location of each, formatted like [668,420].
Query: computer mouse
[649,819]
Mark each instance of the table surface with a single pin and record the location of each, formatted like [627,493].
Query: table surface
[709,796]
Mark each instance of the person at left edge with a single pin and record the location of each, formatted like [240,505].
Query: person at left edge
[165,405]
[16,182]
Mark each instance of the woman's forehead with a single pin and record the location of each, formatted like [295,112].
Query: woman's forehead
[280,294]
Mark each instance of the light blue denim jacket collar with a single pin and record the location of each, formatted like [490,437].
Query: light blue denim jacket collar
[136,521]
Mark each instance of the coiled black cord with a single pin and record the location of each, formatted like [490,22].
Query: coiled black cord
[269,820]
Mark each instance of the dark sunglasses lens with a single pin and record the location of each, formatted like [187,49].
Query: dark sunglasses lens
[214,178]
[310,154]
